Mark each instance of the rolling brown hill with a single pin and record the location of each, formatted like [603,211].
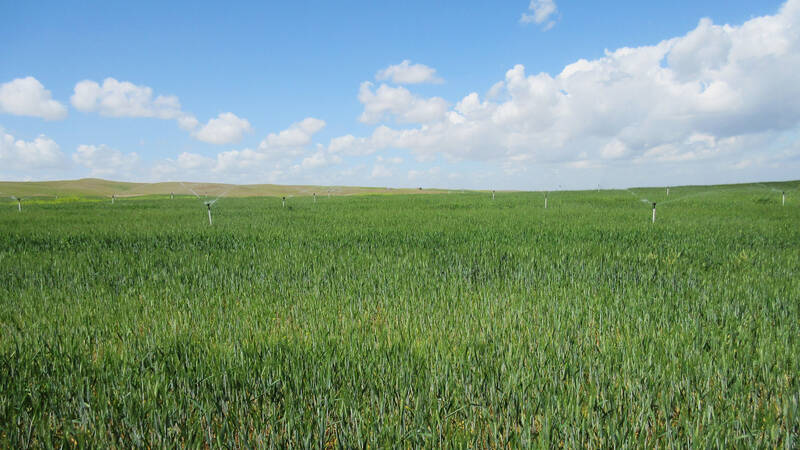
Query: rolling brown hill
[95,187]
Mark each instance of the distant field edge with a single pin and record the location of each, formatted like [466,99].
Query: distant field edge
[96,187]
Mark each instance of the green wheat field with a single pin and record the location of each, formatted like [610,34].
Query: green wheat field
[437,320]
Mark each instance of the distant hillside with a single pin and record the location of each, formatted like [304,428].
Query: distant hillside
[95,187]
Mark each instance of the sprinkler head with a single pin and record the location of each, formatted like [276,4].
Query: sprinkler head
[654,205]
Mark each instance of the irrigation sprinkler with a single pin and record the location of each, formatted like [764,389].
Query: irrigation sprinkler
[190,190]
[667,191]
[315,197]
[207,203]
[19,203]
[654,212]
[112,198]
[545,200]
[283,201]
[783,198]
[171,195]
[492,194]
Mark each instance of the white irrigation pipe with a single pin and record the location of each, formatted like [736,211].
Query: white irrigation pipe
[209,203]
[19,202]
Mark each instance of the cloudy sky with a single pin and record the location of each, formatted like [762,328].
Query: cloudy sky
[517,94]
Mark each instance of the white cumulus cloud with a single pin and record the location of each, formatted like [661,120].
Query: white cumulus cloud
[430,175]
[386,101]
[540,13]
[277,154]
[320,159]
[191,161]
[299,134]
[380,171]
[28,97]
[226,128]
[687,99]
[407,73]
[351,145]
[389,160]
[103,160]
[124,99]
[40,153]
[114,98]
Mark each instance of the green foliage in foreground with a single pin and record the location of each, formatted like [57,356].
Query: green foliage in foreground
[408,320]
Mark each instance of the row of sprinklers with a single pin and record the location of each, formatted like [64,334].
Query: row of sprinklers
[783,198]
[210,203]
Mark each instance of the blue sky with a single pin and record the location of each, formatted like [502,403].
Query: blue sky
[506,95]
